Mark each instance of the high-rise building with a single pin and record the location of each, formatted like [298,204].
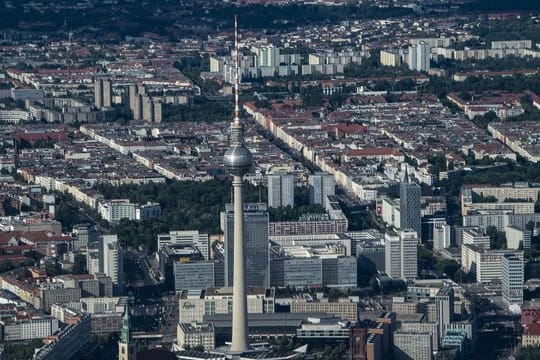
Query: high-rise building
[512,278]
[255,220]
[268,56]
[102,93]
[409,254]
[320,186]
[392,256]
[410,206]
[113,262]
[401,255]
[280,190]
[238,161]
[126,344]
[84,234]
[444,305]
[98,93]
[419,57]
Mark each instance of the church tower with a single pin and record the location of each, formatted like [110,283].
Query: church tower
[126,346]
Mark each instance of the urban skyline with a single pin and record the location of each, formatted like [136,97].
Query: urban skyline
[339,179]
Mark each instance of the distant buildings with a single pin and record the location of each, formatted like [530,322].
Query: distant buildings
[419,57]
[116,209]
[280,190]
[412,345]
[113,262]
[103,93]
[190,335]
[321,185]
[410,206]
[68,342]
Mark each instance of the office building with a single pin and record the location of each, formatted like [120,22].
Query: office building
[444,306]
[187,237]
[412,346]
[392,256]
[512,279]
[431,328]
[401,255]
[312,270]
[410,205]
[280,190]
[113,262]
[345,310]
[255,220]
[194,305]
[371,255]
[192,275]
[320,186]
[13,329]
[84,234]
[190,335]
[169,255]
[68,342]
[409,254]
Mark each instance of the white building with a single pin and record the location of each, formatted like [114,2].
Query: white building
[147,211]
[196,334]
[117,209]
[186,237]
[516,236]
[113,262]
[401,255]
[512,278]
[33,328]
[419,57]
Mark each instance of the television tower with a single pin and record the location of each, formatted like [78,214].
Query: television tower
[238,162]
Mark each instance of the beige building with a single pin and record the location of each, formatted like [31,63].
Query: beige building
[196,334]
[346,310]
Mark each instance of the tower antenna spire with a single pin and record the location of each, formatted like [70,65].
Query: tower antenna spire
[236,73]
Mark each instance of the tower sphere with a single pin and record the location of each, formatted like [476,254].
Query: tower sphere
[238,160]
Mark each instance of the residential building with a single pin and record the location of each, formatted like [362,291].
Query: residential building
[280,190]
[320,186]
[113,262]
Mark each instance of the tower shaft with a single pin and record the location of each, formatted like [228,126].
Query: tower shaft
[239,321]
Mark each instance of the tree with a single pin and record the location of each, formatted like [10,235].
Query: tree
[528,353]
[79,264]
[497,238]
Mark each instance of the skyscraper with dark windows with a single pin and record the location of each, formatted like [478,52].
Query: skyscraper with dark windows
[410,206]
